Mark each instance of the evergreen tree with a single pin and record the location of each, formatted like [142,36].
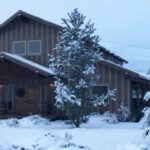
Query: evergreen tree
[78,52]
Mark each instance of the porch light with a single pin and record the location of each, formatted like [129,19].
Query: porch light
[1,86]
[51,85]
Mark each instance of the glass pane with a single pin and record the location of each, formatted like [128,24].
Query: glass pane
[9,105]
[134,94]
[10,93]
[10,97]
[19,47]
[34,47]
[100,90]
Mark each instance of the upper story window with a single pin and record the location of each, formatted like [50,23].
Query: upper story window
[19,47]
[34,47]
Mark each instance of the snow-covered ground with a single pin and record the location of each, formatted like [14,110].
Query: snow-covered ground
[36,133]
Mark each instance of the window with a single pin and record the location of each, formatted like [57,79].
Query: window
[34,47]
[10,98]
[134,94]
[20,92]
[19,47]
[100,90]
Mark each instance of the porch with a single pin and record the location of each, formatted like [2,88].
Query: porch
[25,87]
[138,90]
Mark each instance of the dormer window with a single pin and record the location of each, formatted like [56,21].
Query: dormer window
[19,47]
[34,47]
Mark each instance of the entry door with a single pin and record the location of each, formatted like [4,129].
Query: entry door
[10,98]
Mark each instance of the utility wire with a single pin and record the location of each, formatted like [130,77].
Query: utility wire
[127,45]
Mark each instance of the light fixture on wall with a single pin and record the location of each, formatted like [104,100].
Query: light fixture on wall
[1,86]
[51,85]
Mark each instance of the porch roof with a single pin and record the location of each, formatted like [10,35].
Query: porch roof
[37,68]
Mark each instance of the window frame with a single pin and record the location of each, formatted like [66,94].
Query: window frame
[18,42]
[101,85]
[12,100]
[106,100]
[27,48]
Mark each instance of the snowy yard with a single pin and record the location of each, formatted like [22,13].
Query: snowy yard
[35,133]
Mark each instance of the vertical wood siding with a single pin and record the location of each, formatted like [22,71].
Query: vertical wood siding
[116,80]
[31,30]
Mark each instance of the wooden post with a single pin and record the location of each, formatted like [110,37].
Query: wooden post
[40,99]
[129,92]
[138,103]
[117,89]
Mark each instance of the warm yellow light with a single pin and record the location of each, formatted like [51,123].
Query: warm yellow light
[1,86]
[52,85]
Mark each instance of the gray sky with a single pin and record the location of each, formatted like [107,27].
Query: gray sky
[116,21]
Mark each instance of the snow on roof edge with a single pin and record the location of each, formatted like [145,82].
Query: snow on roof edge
[29,62]
[138,74]
[48,71]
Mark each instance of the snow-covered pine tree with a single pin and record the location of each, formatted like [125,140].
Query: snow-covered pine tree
[77,52]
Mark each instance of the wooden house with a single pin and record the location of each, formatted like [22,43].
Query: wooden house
[26,83]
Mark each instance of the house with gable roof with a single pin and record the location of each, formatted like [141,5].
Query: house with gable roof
[27,84]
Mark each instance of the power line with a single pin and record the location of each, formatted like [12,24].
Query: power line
[125,44]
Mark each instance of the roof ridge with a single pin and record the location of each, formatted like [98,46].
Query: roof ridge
[28,15]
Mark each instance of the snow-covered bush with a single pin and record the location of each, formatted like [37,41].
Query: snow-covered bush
[146,138]
[123,113]
[12,122]
[34,120]
[147,96]
[68,144]
[145,121]
[146,132]
[146,118]
[30,121]
[110,118]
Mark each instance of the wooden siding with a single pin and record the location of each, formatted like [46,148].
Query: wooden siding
[28,104]
[27,30]
[116,80]
[19,77]
[24,29]
[120,79]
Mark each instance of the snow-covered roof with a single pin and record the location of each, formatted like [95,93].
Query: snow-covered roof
[27,63]
[113,54]
[27,15]
[126,71]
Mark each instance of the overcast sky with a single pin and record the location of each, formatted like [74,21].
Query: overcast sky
[124,22]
